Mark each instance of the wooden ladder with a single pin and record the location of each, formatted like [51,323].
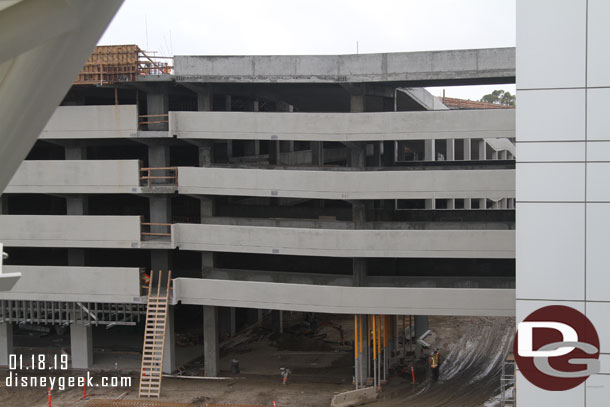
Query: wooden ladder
[154,336]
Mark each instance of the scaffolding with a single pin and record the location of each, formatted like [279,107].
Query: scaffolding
[110,64]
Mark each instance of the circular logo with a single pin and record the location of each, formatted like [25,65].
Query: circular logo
[556,348]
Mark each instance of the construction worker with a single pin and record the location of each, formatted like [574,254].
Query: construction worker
[145,280]
[434,359]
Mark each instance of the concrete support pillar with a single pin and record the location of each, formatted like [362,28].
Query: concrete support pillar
[421,325]
[359,269]
[357,103]
[158,155]
[169,347]
[467,203]
[207,209]
[467,149]
[430,204]
[274,152]
[482,150]
[451,203]
[358,155]
[205,99]
[494,155]
[363,355]
[81,344]
[450,150]
[157,103]
[259,315]
[317,152]
[277,321]
[75,152]
[232,321]
[160,212]
[377,153]
[211,350]
[6,342]
[76,205]
[206,153]
[483,203]
[429,150]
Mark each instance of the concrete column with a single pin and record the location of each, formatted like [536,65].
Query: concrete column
[430,204]
[277,321]
[421,325]
[206,153]
[363,348]
[451,203]
[359,269]
[467,149]
[483,203]
[207,207]
[377,153]
[232,321]
[450,150]
[157,102]
[494,155]
[210,341]
[169,347]
[274,152]
[510,203]
[158,155]
[160,212]
[317,152]
[467,203]
[81,344]
[75,152]
[358,155]
[357,103]
[76,205]
[205,99]
[482,150]
[6,342]
[429,150]
[503,155]
[259,316]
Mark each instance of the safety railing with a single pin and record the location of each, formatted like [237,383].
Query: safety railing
[156,231]
[158,176]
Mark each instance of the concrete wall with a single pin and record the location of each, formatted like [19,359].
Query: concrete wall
[75,176]
[70,231]
[348,184]
[345,243]
[83,122]
[87,284]
[446,66]
[448,124]
[346,300]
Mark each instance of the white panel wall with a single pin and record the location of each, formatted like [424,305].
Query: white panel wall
[59,283]
[76,176]
[494,123]
[563,168]
[345,243]
[82,122]
[348,184]
[70,231]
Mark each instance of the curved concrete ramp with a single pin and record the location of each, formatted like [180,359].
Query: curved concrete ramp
[346,300]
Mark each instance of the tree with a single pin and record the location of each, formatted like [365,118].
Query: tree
[499,97]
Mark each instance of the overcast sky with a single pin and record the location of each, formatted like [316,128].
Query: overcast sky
[263,27]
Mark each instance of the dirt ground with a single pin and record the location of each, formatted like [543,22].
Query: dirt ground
[472,350]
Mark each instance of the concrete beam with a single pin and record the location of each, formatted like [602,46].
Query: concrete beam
[478,66]
[346,300]
[344,127]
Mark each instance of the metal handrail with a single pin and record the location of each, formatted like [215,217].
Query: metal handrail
[148,176]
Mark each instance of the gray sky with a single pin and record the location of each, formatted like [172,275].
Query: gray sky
[239,27]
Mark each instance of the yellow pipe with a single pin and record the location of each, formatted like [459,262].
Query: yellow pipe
[374,338]
[356,337]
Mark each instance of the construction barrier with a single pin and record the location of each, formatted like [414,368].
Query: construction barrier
[354,397]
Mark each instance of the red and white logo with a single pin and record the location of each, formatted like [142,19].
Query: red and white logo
[556,348]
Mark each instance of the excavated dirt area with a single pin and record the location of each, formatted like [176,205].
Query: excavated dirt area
[472,350]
